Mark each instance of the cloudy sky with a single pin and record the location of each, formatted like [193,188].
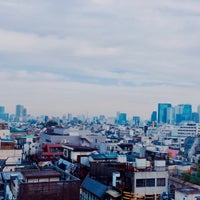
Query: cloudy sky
[99,56]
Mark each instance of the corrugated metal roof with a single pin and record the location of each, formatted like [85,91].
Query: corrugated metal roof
[96,188]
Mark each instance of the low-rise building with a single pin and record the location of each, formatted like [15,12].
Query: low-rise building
[74,153]
[51,184]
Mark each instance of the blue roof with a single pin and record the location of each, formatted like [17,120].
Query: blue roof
[104,156]
[27,136]
[7,139]
[96,188]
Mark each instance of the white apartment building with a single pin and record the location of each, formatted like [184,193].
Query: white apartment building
[150,181]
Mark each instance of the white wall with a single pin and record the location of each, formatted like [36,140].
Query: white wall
[4,154]
[151,190]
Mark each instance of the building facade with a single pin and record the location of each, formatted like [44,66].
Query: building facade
[162,112]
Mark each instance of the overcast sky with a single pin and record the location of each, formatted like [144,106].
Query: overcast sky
[99,56]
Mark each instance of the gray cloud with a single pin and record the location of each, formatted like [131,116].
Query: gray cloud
[101,52]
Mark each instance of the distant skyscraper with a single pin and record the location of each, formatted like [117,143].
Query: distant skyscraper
[183,112]
[21,112]
[187,112]
[102,118]
[154,116]
[136,120]
[162,112]
[3,116]
[170,115]
[46,118]
[69,117]
[2,109]
[121,118]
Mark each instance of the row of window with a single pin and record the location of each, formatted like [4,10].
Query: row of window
[150,182]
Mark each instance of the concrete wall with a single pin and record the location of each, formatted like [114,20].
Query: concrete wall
[148,175]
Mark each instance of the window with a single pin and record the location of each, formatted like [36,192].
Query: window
[140,183]
[160,181]
[145,182]
[150,182]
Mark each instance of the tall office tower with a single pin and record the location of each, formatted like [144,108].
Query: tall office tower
[2,109]
[154,116]
[121,118]
[162,112]
[136,121]
[46,118]
[21,112]
[69,117]
[102,118]
[24,112]
[183,112]
[178,113]
[3,116]
[170,115]
[117,116]
[187,112]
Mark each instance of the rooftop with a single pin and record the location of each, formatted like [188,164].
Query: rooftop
[188,190]
[78,148]
[95,187]
[104,156]
[40,173]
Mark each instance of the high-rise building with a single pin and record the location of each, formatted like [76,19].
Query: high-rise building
[170,115]
[154,116]
[102,118]
[136,121]
[21,112]
[2,109]
[121,118]
[162,112]
[187,112]
[3,116]
[69,117]
[183,112]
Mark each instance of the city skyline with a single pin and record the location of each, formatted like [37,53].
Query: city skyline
[99,56]
[160,114]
